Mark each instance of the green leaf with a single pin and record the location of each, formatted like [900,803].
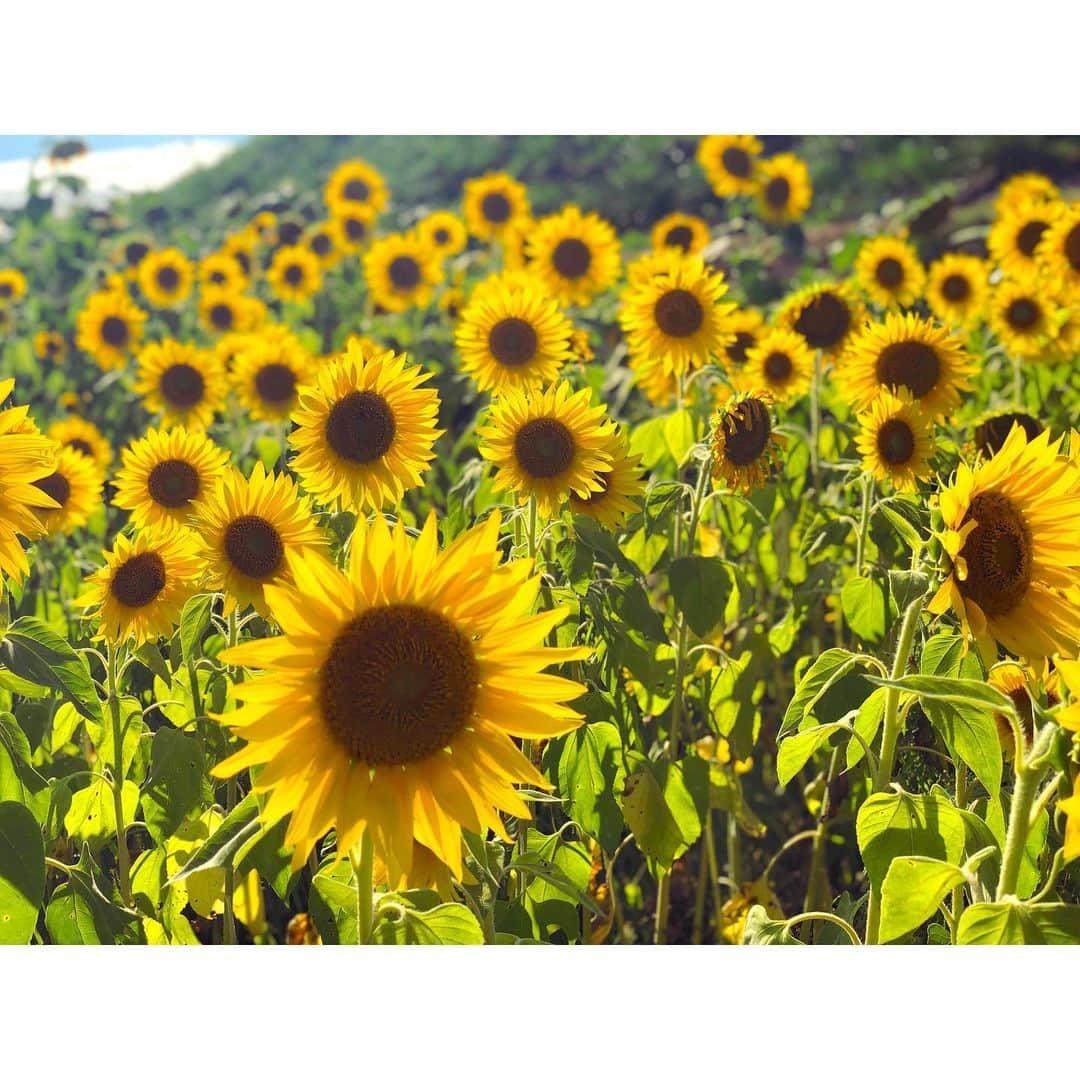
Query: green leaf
[907,586]
[194,620]
[958,691]
[174,788]
[79,913]
[19,781]
[445,924]
[532,864]
[831,666]
[149,655]
[269,450]
[913,888]
[867,721]
[664,806]
[864,605]
[796,750]
[700,587]
[92,815]
[759,929]
[22,873]
[1030,874]
[679,434]
[1017,923]
[333,904]
[223,846]
[971,735]
[590,773]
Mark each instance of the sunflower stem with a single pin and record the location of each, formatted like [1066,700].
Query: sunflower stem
[864,522]
[958,893]
[532,527]
[363,861]
[1018,383]
[815,420]
[123,859]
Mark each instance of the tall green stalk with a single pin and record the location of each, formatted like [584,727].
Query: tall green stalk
[123,859]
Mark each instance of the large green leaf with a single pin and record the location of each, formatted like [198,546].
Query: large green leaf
[828,669]
[759,929]
[971,735]
[914,886]
[590,773]
[700,587]
[397,922]
[665,805]
[228,841]
[174,788]
[1017,923]
[863,602]
[19,781]
[22,873]
[796,750]
[91,817]
[194,620]
[80,913]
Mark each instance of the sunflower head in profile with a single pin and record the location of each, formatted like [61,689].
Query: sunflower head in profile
[1025,318]
[321,241]
[677,315]
[991,432]
[1016,234]
[181,382]
[109,328]
[746,327]
[352,230]
[401,272]
[443,231]
[729,163]
[1059,250]
[166,277]
[889,272]
[294,274]
[246,527]
[784,191]
[684,233]
[50,345]
[75,486]
[1025,188]
[827,315]
[574,256]
[12,286]
[620,488]
[164,473]
[896,441]
[355,185]
[547,445]
[83,435]
[389,703]
[745,444]
[956,289]
[145,582]
[224,311]
[780,362]
[1008,529]
[906,352]
[1022,684]
[365,430]
[512,335]
[493,205]
[267,374]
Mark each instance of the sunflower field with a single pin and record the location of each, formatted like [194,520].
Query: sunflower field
[545,540]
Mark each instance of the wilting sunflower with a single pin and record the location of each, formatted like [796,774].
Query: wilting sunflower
[85,437]
[729,162]
[131,253]
[294,274]
[907,352]
[1025,187]
[401,272]
[182,382]
[221,270]
[1024,317]
[956,289]
[109,328]
[745,444]
[321,241]
[683,232]
[225,311]
[781,362]
[389,703]
[49,345]
[267,375]
[1059,250]
[352,230]
[144,584]
[355,185]
[677,316]
[619,488]
[1015,236]
[75,486]
[889,272]
[1009,528]
[494,204]
[896,440]
[163,473]
[575,256]
[746,325]
[443,231]
[826,315]
[512,335]
[365,430]
[12,286]
[547,445]
[166,277]
[783,188]
[246,528]
[992,431]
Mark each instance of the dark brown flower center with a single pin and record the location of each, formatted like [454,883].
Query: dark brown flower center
[513,342]
[736,161]
[289,232]
[168,278]
[404,273]
[679,313]
[495,207]
[320,244]
[82,446]
[956,288]
[896,441]
[1022,314]
[998,554]
[253,546]
[736,351]
[56,486]
[138,581]
[991,434]
[911,364]
[1027,239]
[398,685]
[571,258]
[221,316]
[824,321]
[777,192]
[441,237]
[173,483]
[115,331]
[356,191]
[361,427]
[182,386]
[544,447]
[294,274]
[355,229]
[275,383]
[889,273]
[1072,247]
[681,236]
[5,289]
[243,260]
[747,432]
[778,367]
[135,251]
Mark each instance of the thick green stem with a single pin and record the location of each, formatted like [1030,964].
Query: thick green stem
[817,887]
[363,861]
[958,893]
[864,522]
[123,859]
[1029,775]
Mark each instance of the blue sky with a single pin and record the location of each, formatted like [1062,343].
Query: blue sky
[14,147]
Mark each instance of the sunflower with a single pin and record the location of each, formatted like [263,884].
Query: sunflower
[745,444]
[166,277]
[75,486]
[889,271]
[547,445]
[12,286]
[780,362]
[992,431]
[896,440]
[1020,683]
[246,528]
[1059,250]
[49,345]
[294,274]
[222,270]
[109,328]
[827,315]
[163,473]
[1009,528]
[956,289]
[267,375]
[401,272]
[619,488]
[289,232]
[321,241]
[746,327]
[1024,318]
[224,311]
[390,700]
[494,204]
[575,256]
[182,382]
[365,430]
[512,336]
[783,188]
[683,232]
[729,162]
[352,230]
[1015,236]
[145,582]
[264,223]
[131,253]
[1025,187]
[657,384]
[677,316]
[240,247]
[85,437]
[355,185]
[443,231]
[907,352]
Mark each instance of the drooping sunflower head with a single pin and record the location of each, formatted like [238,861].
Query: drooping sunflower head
[1024,317]
[355,185]
[50,345]
[12,286]
[1008,527]
[145,582]
[1059,249]
[268,372]
[745,444]
[1021,683]
[991,432]
[956,289]
[164,473]
[685,233]
[402,271]
[512,334]
[389,703]
[294,274]
[75,486]
[827,315]
[620,488]
[746,327]
[365,430]
[574,256]
[780,362]
[321,241]
[166,277]
[84,436]
[896,440]
[109,328]
[783,188]
[443,231]
[183,383]
[889,271]
[224,311]
[729,163]
[494,205]
[1016,233]
[547,445]
[246,527]
[352,230]
[906,352]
